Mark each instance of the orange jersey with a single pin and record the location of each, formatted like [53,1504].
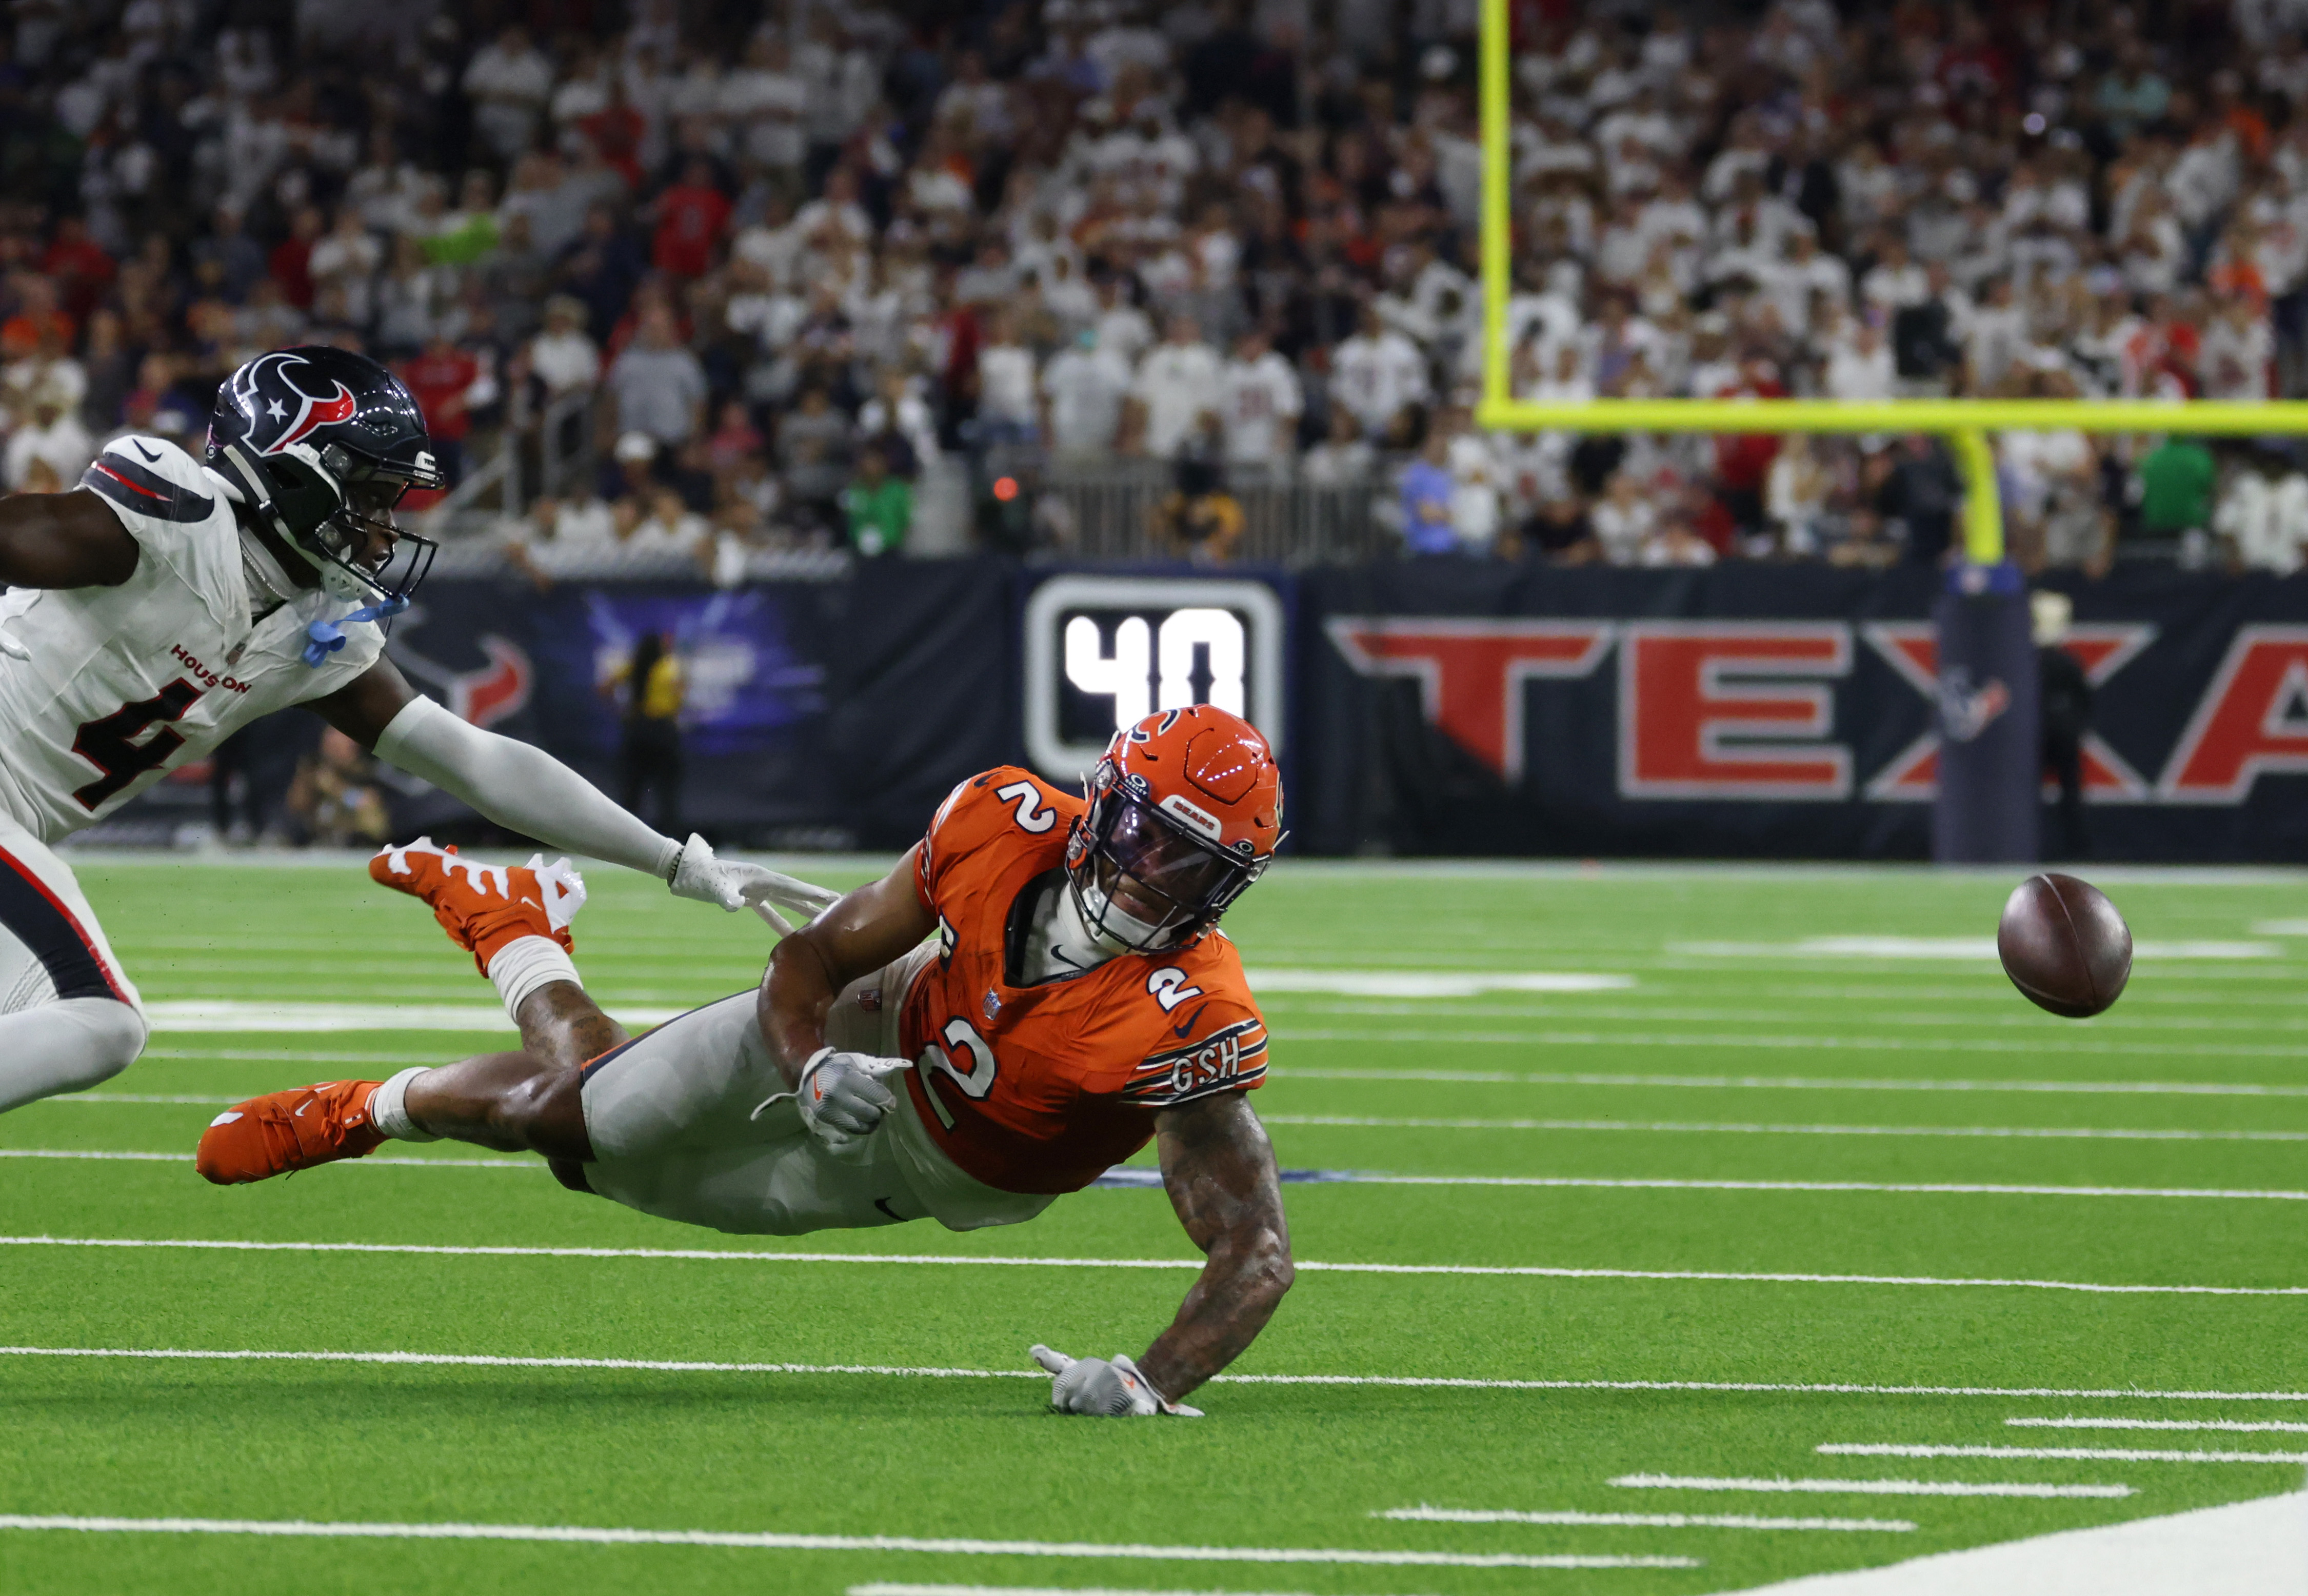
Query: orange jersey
[1044,1088]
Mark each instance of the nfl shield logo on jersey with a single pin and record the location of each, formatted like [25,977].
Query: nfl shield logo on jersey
[993,1005]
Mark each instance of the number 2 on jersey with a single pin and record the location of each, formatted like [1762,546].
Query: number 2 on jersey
[1031,815]
[106,742]
[960,1037]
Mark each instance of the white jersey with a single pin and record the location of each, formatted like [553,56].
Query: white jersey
[124,684]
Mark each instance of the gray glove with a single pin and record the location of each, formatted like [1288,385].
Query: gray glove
[1106,1387]
[843,1098]
[733,884]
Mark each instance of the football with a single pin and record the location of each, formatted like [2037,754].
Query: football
[2064,945]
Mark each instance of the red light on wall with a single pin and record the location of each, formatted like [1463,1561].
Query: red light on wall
[1005,488]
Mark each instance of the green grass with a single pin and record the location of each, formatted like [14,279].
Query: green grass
[1273,1465]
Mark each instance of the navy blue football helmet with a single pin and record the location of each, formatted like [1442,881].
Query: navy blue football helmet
[322,444]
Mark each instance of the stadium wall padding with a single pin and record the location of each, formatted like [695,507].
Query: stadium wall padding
[1435,707]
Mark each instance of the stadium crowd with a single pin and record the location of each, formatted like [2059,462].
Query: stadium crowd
[807,254]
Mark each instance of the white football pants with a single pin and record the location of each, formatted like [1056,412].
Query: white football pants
[69,1019]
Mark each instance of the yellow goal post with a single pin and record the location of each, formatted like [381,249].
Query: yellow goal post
[1964,423]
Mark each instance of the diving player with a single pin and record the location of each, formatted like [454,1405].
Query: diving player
[166,603]
[1035,992]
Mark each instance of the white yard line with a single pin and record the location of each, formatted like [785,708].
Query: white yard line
[762,1542]
[135,1097]
[670,1365]
[906,1588]
[1973,949]
[1704,1127]
[1651,1521]
[1804,1082]
[289,1056]
[2110,1454]
[107,1155]
[1868,1488]
[1525,1271]
[1582,1182]
[1431,983]
[1927,1188]
[2234,1426]
[2032,1047]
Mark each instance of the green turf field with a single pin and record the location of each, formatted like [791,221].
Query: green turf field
[1636,1196]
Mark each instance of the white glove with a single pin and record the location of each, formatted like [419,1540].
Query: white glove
[735,884]
[843,1098]
[1108,1387]
[12,648]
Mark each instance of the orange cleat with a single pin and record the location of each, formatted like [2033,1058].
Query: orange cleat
[484,907]
[283,1131]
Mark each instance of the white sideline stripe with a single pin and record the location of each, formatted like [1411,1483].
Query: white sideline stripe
[287,1056]
[668,1365]
[1951,948]
[1532,1271]
[1929,1188]
[136,1096]
[1868,1488]
[2108,1454]
[2238,1425]
[1943,1189]
[1650,1521]
[1431,983]
[1802,1082]
[824,1543]
[109,1155]
[1774,1043]
[903,1588]
[1671,1126]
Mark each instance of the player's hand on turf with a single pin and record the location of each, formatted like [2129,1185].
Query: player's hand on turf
[735,884]
[1107,1387]
[843,1098]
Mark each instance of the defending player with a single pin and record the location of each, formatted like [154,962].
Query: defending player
[165,603]
[1036,990]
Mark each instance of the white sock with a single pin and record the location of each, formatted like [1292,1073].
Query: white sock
[388,1110]
[526,963]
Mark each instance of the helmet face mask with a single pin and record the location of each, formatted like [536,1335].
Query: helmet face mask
[1135,858]
[322,444]
[1184,813]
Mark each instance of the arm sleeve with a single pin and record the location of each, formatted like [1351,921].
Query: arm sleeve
[521,788]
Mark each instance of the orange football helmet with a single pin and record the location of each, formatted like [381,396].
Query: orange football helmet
[1185,812]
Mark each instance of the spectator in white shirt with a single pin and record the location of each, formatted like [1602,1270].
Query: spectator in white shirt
[564,356]
[343,267]
[1860,365]
[1377,375]
[1263,404]
[1178,385]
[1083,387]
[1895,281]
[1623,519]
[1343,459]
[2264,521]
[1007,408]
[764,101]
[53,437]
[509,82]
[1123,329]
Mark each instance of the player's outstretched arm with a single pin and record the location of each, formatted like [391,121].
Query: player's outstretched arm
[879,923]
[528,790]
[63,540]
[1219,1168]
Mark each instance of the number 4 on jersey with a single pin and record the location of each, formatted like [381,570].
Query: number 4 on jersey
[108,743]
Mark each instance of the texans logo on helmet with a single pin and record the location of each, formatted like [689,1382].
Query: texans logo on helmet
[280,412]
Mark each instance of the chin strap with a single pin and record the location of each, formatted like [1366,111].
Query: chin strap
[324,638]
